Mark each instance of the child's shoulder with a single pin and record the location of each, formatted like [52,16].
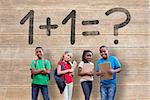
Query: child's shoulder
[113,57]
[100,60]
[34,60]
[91,63]
[60,62]
[81,62]
[46,60]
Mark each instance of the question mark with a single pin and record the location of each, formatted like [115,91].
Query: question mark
[117,26]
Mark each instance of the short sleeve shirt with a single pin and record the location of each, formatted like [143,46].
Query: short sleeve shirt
[114,63]
[81,65]
[40,79]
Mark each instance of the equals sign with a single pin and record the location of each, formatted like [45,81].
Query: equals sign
[86,33]
[90,22]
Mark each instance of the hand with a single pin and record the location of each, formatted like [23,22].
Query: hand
[74,64]
[102,73]
[71,70]
[111,71]
[43,69]
[43,73]
[72,74]
[90,73]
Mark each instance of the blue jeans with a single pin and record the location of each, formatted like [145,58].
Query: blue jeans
[35,91]
[107,92]
[87,88]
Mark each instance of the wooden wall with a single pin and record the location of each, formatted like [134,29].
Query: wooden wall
[133,49]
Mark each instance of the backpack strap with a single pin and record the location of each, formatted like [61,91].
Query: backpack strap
[35,63]
[43,61]
[63,66]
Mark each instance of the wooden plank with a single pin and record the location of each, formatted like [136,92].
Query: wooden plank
[11,21]
[21,78]
[73,4]
[123,92]
[133,48]
[55,54]
[87,41]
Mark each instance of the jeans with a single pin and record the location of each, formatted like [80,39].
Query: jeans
[107,92]
[44,90]
[87,88]
[67,94]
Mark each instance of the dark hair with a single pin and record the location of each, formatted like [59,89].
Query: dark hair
[103,46]
[38,48]
[83,55]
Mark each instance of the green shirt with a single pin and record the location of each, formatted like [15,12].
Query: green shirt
[39,78]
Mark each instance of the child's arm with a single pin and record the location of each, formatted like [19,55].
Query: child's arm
[117,68]
[100,73]
[112,71]
[80,73]
[34,71]
[93,72]
[46,71]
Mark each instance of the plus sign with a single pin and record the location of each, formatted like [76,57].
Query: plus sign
[48,26]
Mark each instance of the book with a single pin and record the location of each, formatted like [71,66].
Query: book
[87,68]
[105,67]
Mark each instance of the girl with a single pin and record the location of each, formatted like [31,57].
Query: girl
[86,72]
[67,74]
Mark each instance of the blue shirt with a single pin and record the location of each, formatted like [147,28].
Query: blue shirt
[114,63]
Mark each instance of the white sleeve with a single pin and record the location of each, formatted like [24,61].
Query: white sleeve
[81,64]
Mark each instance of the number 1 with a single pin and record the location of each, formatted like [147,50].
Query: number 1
[23,20]
[71,16]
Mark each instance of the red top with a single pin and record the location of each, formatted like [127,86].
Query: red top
[68,78]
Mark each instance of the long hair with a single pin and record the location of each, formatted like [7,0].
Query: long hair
[66,52]
[83,55]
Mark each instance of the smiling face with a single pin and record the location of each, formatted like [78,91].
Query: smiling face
[67,57]
[39,53]
[104,52]
[88,56]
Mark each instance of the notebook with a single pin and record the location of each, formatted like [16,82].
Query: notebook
[87,68]
[105,67]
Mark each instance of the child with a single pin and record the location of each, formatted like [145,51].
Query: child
[86,76]
[40,69]
[67,74]
[108,87]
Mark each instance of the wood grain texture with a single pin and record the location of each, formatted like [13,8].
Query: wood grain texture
[133,49]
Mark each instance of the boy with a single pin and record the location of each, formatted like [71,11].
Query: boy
[40,69]
[108,87]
